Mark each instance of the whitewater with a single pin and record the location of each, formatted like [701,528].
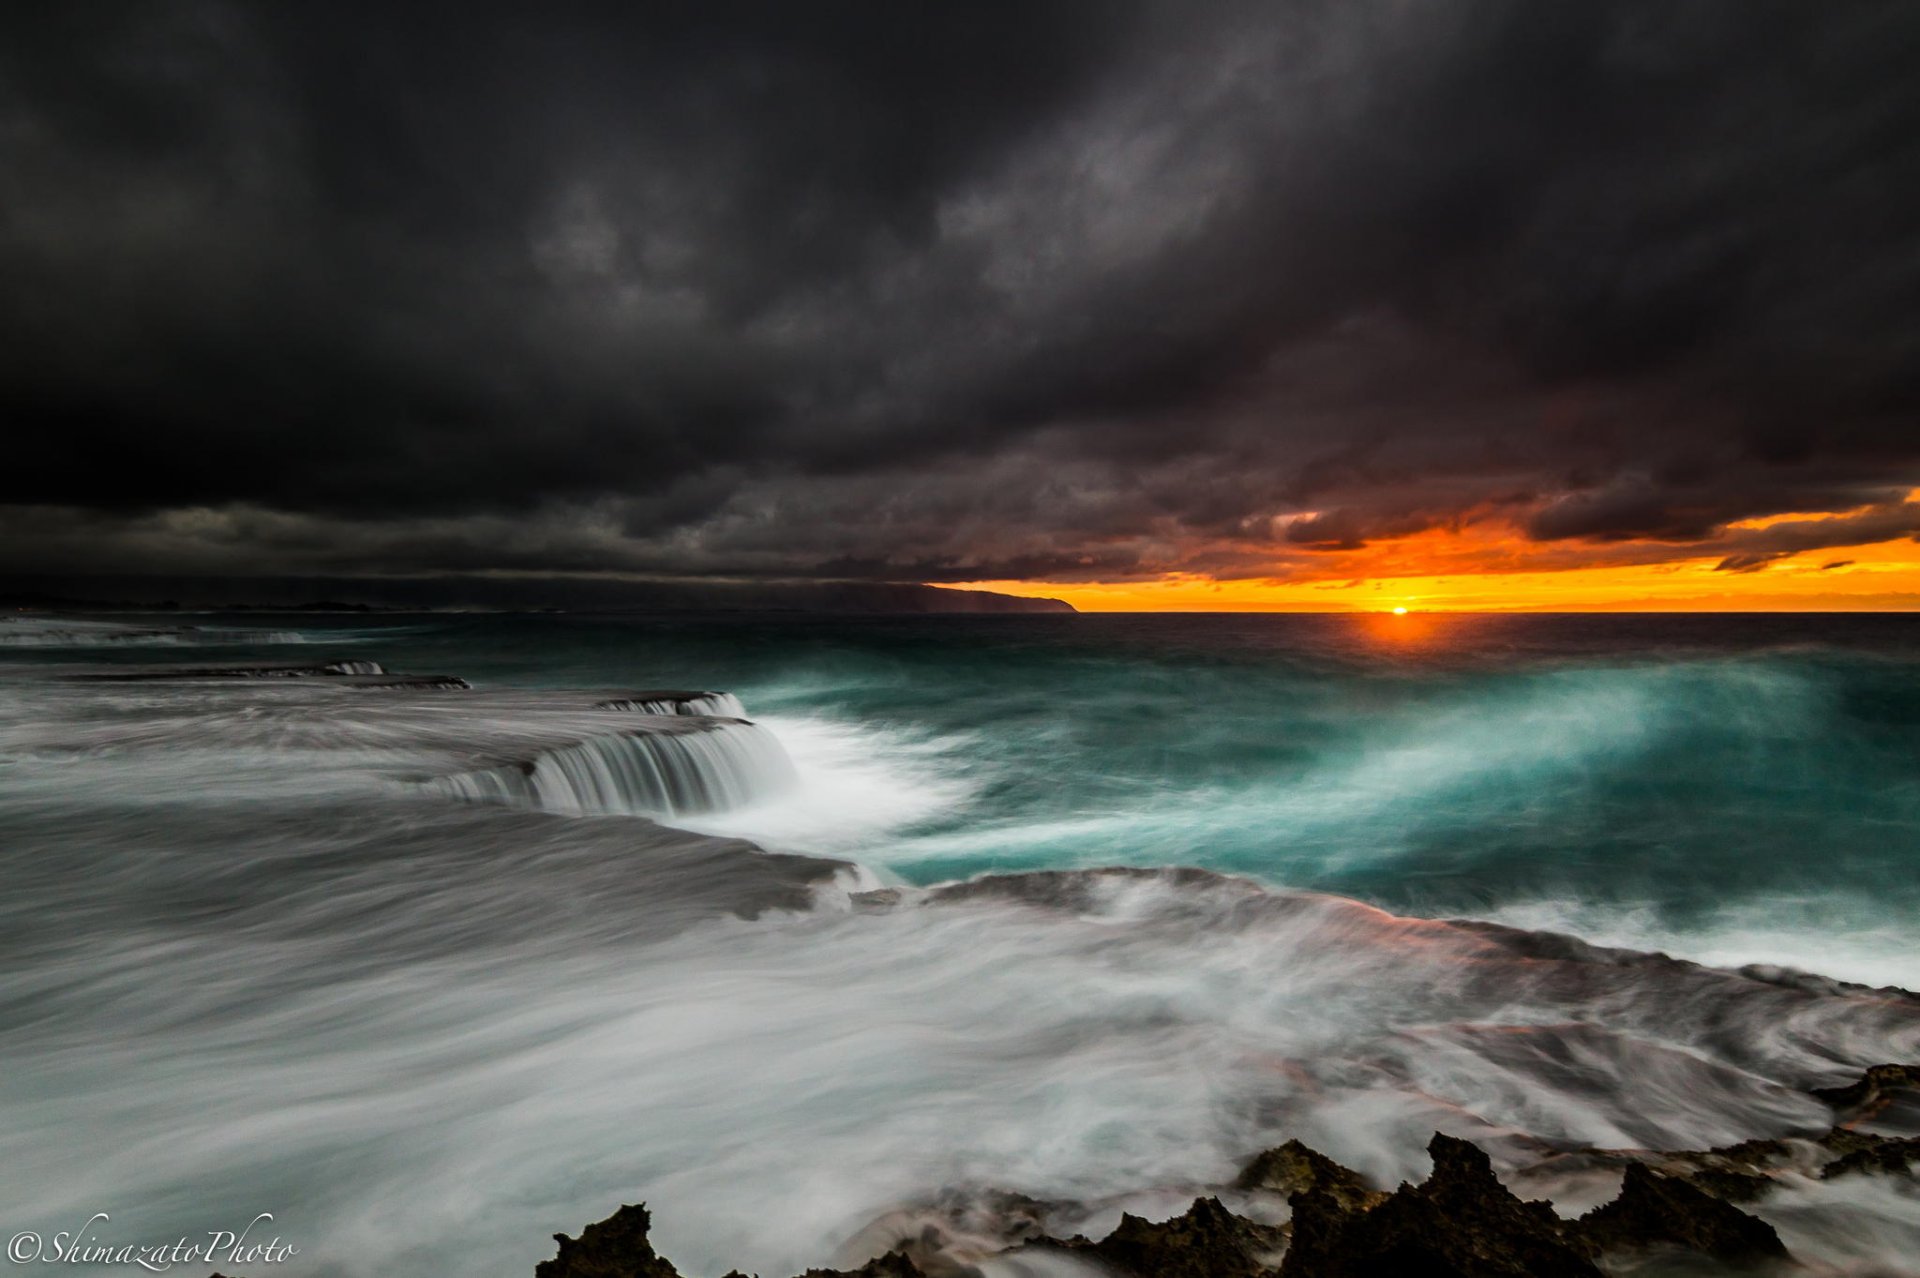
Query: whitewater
[434,936]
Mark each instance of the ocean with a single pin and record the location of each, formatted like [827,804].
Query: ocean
[1090,908]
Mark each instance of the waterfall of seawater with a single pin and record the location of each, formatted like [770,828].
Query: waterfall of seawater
[715,766]
[721,705]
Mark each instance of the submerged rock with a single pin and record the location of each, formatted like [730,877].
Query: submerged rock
[421,683]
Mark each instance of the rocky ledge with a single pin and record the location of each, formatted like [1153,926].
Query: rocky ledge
[1673,1209]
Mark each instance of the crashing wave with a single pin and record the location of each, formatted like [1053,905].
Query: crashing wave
[720,705]
[713,766]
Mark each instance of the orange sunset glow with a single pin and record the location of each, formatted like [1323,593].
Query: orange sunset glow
[1473,571]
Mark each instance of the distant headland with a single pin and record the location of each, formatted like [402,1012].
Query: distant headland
[503,594]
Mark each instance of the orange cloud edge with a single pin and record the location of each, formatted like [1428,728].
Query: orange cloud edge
[1456,571]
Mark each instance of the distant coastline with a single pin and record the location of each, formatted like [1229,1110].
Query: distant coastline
[456,594]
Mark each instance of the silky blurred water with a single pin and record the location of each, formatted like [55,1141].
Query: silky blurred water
[251,960]
[1743,787]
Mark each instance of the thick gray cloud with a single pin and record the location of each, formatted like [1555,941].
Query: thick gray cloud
[937,293]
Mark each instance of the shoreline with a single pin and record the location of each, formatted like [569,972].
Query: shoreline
[1689,1208]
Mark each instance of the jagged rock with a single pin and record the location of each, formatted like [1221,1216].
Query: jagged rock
[1872,1090]
[1207,1242]
[1653,1210]
[1295,1168]
[1731,1186]
[1732,1173]
[1460,1223]
[1844,1140]
[616,1247]
[1889,1156]
[892,1265]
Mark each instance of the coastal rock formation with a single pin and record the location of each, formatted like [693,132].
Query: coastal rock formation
[357,674]
[1460,1222]
[421,683]
[1208,1241]
[1861,1153]
[616,1247]
[332,669]
[1293,1168]
[1654,1210]
[892,1265]
[1880,1089]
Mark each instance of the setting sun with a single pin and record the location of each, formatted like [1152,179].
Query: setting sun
[1491,567]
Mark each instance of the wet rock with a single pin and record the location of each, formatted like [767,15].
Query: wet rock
[673,700]
[1887,1156]
[1074,889]
[1207,1242]
[331,670]
[1654,1210]
[616,1247]
[1732,1173]
[1731,1186]
[1294,1168]
[1460,1223]
[421,683]
[892,1265]
[1873,1091]
[356,674]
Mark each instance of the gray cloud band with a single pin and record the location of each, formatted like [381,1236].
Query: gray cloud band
[938,293]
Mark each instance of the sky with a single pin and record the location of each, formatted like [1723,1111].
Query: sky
[1298,304]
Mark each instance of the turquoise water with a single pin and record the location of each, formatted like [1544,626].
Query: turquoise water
[1646,778]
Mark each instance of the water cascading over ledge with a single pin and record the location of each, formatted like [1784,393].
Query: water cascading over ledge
[723,705]
[701,766]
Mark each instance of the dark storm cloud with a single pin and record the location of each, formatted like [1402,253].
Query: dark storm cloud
[1047,289]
